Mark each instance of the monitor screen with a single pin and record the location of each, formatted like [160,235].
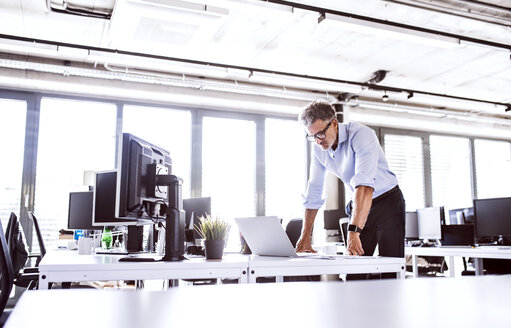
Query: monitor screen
[411,227]
[458,235]
[80,210]
[197,207]
[429,222]
[493,217]
[104,200]
[138,193]
[461,215]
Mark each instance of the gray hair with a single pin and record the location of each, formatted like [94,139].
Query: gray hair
[317,110]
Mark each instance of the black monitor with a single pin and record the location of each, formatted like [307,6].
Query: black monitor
[411,226]
[146,190]
[458,235]
[80,210]
[429,222]
[138,194]
[195,208]
[461,215]
[105,194]
[493,218]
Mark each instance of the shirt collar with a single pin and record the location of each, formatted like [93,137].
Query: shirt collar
[342,137]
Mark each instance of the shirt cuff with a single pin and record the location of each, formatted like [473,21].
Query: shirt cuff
[313,204]
[361,180]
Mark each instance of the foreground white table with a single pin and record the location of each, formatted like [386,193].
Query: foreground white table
[266,266]
[395,303]
[478,253]
[68,266]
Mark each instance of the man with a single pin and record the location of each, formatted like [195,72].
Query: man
[351,151]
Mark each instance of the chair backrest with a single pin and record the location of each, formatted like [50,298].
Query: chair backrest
[12,218]
[294,230]
[42,248]
[343,227]
[6,271]
[16,246]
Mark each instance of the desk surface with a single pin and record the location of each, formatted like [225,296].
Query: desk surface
[495,252]
[465,302]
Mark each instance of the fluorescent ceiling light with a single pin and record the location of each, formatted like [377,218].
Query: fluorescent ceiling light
[303,83]
[395,32]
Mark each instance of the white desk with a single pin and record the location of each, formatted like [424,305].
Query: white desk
[478,253]
[68,266]
[264,266]
[468,302]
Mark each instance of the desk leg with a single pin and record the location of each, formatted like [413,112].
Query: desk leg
[451,266]
[402,272]
[43,282]
[478,262]
[414,266]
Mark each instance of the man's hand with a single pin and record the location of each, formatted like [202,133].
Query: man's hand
[304,245]
[354,244]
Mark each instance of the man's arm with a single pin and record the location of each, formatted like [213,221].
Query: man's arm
[362,201]
[304,243]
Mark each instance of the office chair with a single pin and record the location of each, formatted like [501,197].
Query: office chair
[343,227]
[6,277]
[294,230]
[40,241]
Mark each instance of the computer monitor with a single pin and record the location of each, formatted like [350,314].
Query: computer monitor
[429,221]
[458,235]
[146,190]
[195,208]
[139,194]
[104,199]
[80,210]
[411,226]
[493,218]
[461,215]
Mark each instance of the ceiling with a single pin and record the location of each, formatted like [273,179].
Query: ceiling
[459,49]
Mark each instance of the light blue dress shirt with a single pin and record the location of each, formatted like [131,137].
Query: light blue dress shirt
[358,161]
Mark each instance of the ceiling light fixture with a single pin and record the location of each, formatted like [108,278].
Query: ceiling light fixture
[385,97]
[390,31]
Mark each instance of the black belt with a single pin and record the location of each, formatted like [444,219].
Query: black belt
[386,194]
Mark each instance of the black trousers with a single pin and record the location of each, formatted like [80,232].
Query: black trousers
[385,227]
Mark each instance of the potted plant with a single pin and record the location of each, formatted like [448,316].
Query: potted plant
[214,232]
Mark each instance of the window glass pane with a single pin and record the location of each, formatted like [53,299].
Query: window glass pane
[405,158]
[12,143]
[285,168]
[74,136]
[166,128]
[450,172]
[493,168]
[228,170]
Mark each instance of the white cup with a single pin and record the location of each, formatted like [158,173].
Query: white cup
[330,249]
[84,246]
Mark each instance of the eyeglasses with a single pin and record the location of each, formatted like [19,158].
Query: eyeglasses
[320,135]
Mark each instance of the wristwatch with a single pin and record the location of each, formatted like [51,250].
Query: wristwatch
[354,228]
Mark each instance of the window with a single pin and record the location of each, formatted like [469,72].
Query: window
[12,143]
[405,157]
[74,136]
[450,172]
[493,168]
[285,165]
[166,128]
[228,170]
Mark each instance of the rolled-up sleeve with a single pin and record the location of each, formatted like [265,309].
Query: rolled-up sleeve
[313,198]
[365,145]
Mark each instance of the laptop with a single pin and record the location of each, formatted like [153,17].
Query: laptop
[266,237]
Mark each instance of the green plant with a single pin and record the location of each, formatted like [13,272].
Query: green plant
[212,228]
